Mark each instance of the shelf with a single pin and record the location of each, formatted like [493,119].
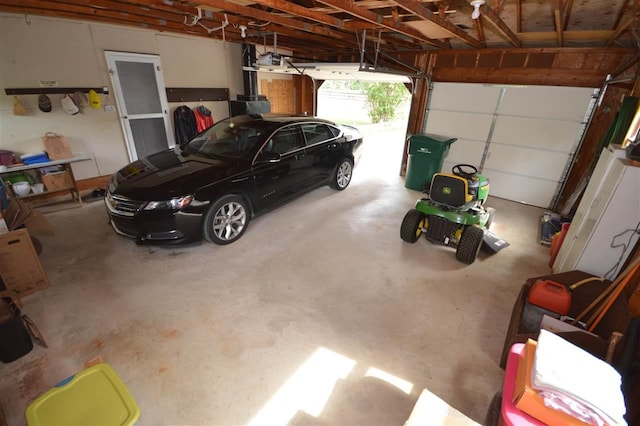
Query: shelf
[34,194]
[55,90]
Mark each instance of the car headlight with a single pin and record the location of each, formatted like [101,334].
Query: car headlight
[172,204]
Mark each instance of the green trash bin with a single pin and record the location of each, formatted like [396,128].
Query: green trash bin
[426,154]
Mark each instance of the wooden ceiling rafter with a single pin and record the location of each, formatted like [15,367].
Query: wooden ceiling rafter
[367,15]
[80,9]
[500,25]
[567,14]
[58,13]
[417,9]
[480,30]
[559,23]
[519,16]
[621,12]
[624,25]
[294,9]
[254,13]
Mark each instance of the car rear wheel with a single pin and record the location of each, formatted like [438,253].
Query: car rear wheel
[342,175]
[469,244]
[226,220]
[412,225]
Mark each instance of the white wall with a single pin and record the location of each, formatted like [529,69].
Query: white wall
[72,53]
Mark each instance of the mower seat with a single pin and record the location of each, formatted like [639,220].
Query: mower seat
[450,190]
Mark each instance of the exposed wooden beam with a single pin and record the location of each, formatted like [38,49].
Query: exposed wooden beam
[304,12]
[567,14]
[480,30]
[367,15]
[500,25]
[598,35]
[26,6]
[621,14]
[80,10]
[519,16]
[419,10]
[254,13]
[621,28]
[557,14]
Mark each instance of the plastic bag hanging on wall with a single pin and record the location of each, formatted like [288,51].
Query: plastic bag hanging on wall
[18,108]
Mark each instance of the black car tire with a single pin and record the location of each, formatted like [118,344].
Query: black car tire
[412,224]
[469,244]
[226,220]
[342,175]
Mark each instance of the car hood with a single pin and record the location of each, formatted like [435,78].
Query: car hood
[169,174]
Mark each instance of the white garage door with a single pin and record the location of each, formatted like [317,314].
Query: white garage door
[522,138]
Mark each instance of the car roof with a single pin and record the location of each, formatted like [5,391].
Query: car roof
[287,118]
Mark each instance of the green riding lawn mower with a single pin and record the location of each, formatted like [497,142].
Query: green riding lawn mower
[453,213]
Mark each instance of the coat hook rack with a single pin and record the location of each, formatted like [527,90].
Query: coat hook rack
[55,90]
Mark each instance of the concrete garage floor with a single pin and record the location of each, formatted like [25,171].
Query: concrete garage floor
[296,322]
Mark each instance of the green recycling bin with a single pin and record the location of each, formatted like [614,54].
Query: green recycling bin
[426,154]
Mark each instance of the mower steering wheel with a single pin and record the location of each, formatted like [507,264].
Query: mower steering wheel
[458,170]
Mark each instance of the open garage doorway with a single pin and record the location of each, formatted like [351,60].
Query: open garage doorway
[357,103]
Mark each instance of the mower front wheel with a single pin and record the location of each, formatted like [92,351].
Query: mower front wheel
[469,244]
[412,225]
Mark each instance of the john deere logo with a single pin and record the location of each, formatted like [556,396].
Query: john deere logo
[446,190]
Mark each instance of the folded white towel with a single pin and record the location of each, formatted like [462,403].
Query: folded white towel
[564,368]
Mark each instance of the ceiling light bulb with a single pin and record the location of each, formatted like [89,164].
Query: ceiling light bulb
[476,8]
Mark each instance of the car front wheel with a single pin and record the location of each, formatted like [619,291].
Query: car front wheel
[226,220]
[342,175]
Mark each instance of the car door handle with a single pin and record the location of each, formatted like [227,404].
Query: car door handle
[333,145]
[300,156]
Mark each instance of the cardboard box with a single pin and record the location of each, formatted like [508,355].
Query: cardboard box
[527,399]
[56,146]
[21,273]
[57,181]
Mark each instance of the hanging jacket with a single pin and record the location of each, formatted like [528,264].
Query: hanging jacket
[204,119]
[184,122]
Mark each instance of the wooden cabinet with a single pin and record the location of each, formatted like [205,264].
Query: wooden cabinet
[604,229]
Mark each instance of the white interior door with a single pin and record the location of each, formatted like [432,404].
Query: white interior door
[142,102]
[522,138]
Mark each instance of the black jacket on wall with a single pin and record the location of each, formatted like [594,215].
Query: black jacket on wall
[184,122]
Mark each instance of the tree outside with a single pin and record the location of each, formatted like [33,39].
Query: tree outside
[383,99]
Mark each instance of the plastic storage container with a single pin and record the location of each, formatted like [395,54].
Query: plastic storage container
[95,396]
[426,154]
[15,340]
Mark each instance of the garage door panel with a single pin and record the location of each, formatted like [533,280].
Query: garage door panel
[558,103]
[531,132]
[459,124]
[527,162]
[465,97]
[532,137]
[465,151]
[536,192]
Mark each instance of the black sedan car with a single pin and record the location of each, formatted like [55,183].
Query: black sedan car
[240,167]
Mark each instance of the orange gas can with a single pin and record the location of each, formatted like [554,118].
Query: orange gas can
[550,295]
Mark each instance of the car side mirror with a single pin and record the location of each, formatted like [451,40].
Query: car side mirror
[268,157]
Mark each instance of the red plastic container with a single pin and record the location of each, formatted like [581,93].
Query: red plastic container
[550,295]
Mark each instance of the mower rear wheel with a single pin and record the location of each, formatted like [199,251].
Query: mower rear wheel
[412,225]
[469,244]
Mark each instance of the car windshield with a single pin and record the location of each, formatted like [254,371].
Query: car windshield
[235,137]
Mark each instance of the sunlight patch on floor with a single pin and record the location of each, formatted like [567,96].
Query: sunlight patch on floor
[308,389]
[396,381]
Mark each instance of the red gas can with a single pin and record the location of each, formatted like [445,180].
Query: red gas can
[550,295]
